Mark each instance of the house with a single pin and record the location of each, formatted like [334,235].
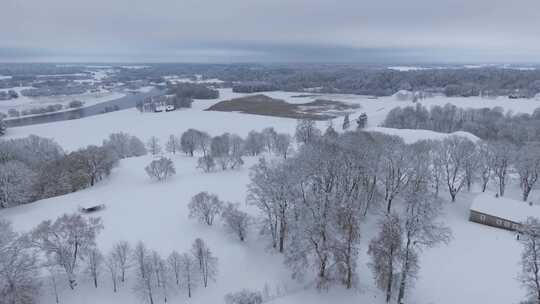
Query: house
[501,212]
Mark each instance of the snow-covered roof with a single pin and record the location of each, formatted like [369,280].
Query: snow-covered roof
[506,208]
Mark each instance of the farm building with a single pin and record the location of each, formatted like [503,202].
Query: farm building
[501,212]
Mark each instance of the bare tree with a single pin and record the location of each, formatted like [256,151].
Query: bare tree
[113,267]
[206,163]
[153,146]
[16,181]
[394,166]
[282,144]
[172,144]
[193,140]
[66,240]
[306,131]
[174,265]
[503,154]
[420,230]
[485,164]
[530,259]
[385,252]
[205,207]
[453,155]
[94,264]
[121,252]
[272,190]
[527,165]
[18,268]
[161,169]
[189,273]
[207,262]
[145,274]
[254,143]
[235,220]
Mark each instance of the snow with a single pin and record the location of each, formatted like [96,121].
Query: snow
[178,79]
[407,68]
[513,210]
[479,265]
[411,136]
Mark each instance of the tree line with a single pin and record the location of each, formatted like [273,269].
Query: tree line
[486,123]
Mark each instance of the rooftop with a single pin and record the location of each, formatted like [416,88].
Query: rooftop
[506,208]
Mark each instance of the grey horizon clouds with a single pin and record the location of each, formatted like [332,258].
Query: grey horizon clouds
[270,30]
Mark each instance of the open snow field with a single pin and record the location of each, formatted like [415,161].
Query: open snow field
[478,266]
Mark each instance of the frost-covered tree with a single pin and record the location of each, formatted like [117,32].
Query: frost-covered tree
[121,252]
[194,140]
[503,154]
[205,207]
[254,143]
[125,145]
[395,167]
[227,150]
[18,268]
[189,273]
[420,230]
[16,182]
[235,220]
[527,165]
[113,267]
[153,145]
[66,240]
[306,131]
[174,265]
[94,264]
[173,144]
[485,164]
[165,279]
[282,144]
[453,155]
[208,263]
[145,274]
[244,297]
[160,169]
[94,163]
[272,190]
[530,259]
[385,253]
[269,138]
[206,163]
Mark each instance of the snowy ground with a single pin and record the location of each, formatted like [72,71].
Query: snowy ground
[478,266]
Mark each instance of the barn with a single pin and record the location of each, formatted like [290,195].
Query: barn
[501,212]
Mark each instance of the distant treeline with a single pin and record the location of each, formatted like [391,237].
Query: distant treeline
[486,123]
[192,90]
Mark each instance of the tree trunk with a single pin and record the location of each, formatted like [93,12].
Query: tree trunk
[404,273]
[390,276]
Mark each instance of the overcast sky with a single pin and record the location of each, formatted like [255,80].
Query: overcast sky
[378,31]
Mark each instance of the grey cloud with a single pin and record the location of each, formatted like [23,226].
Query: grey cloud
[269,30]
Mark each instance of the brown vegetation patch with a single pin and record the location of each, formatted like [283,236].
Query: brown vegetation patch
[263,105]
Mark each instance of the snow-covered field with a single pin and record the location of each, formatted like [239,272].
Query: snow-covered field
[478,266]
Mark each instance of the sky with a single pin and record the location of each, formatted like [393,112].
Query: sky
[381,31]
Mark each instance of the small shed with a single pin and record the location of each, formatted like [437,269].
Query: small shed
[501,212]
